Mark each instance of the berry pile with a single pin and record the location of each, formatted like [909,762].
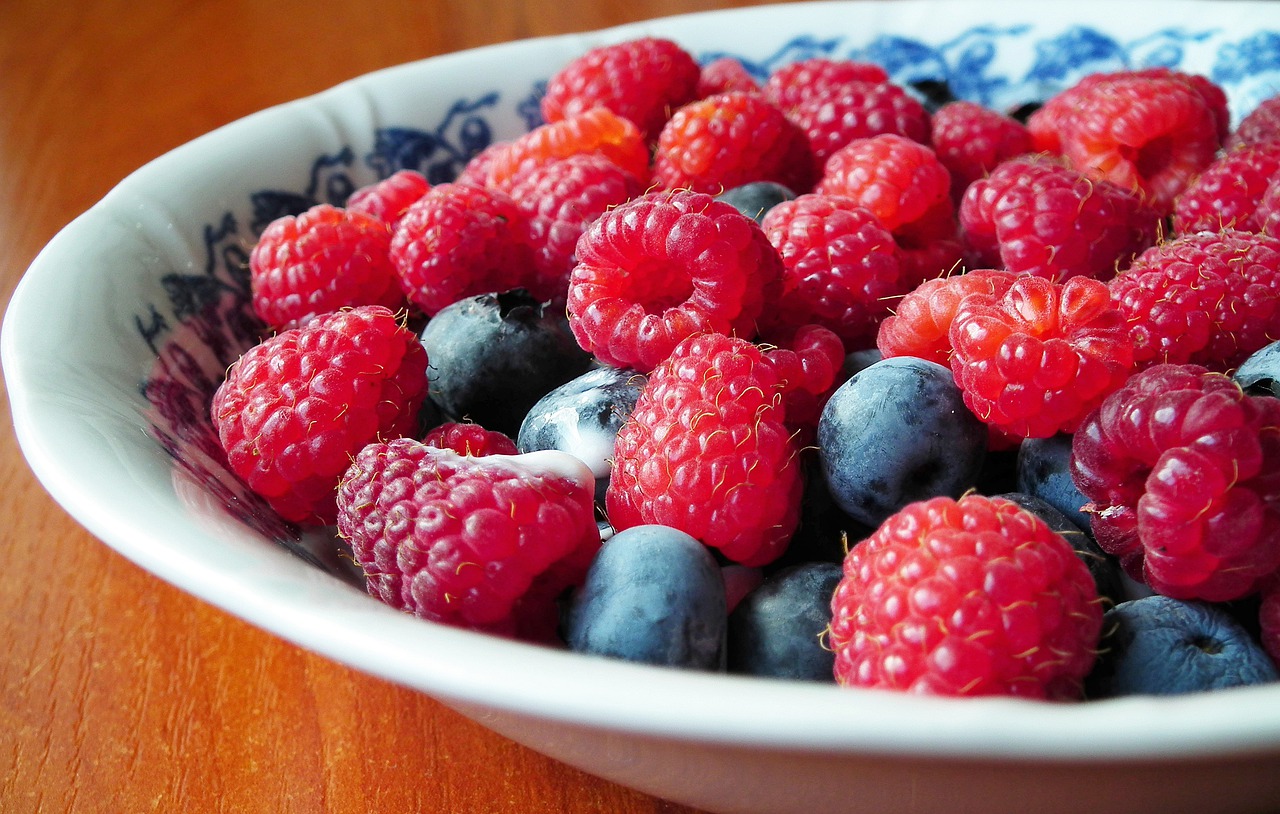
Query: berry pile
[803,376]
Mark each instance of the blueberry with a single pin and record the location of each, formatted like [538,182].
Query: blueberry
[897,432]
[1044,472]
[777,630]
[582,417]
[653,595]
[825,532]
[860,360]
[932,93]
[491,357]
[1104,568]
[756,198]
[1260,373]
[1162,646]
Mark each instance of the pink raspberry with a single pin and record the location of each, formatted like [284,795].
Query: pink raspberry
[458,241]
[642,80]
[723,75]
[971,141]
[485,543]
[666,266]
[1183,473]
[317,262]
[966,598]
[1259,126]
[295,408]
[1229,193]
[730,139]
[388,199]
[901,181]
[1207,299]
[841,267]
[793,83]
[1035,215]
[854,110]
[920,325]
[469,439]
[707,451]
[1035,360]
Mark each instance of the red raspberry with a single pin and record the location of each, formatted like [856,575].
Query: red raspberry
[856,110]
[598,130]
[470,439]
[841,265]
[483,543]
[1037,216]
[809,370]
[1146,132]
[1208,299]
[1183,471]
[458,241]
[898,179]
[295,408]
[476,171]
[921,324]
[791,84]
[665,266]
[966,598]
[388,199]
[1261,125]
[706,451]
[1228,193]
[971,141]
[730,139]
[724,75]
[642,80]
[557,202]
[322,260]
[1034,361]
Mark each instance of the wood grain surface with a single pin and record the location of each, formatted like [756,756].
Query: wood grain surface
[119,693]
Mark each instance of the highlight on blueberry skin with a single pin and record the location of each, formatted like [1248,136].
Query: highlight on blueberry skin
[896,432]
[1259,375]
[1161,646]
[756,198]
[653,595]
[778,630]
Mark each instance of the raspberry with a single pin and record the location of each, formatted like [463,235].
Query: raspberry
[730,139]
[965,598]
[898,179]
[723,75]
[1228,194]
[469,439]
[809,369]
[841,265]
[642,80]
[388,199]
[458,241]
[322,260]
[1183,473]
[598,130]
[1148,132]
[706,451]
[791,84]
[295,408]
[558,201]
[921,324]
[665,266]
[971,141]
[1207,299]
[855,110]
[1035,360]
[1261,125]
[483,543]
[1037,216]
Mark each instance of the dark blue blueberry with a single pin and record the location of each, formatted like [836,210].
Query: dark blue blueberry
[932,93]
[1044,472]
[1161,646]
[777,629]
[653,595]
[582,417]
[1260,373]
[491,357]
[895,433]
[1104,568]
[825,532]
[756,198]
[860,360]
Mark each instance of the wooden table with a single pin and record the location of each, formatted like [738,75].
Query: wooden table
[118,692]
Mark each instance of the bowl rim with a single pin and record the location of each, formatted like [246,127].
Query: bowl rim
[451,664]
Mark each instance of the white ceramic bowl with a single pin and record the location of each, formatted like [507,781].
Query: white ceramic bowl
[108,391]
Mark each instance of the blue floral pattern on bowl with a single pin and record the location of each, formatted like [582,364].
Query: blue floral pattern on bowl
[215,319]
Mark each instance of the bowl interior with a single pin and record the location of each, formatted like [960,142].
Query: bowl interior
[110,387]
